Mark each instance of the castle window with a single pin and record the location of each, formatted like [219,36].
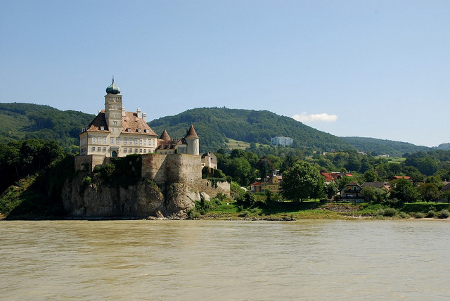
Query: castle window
[115,122]
[102,128]
[140,141]
[128,130]
[118,141]
[112,140]
[125,150]
[145,141]
[130,150]
[136,142]
[145,150]
[139,130]
[125,141]
[136,150]
[93,148]
[94,140]
[104,149]
[140,150]
[99,149]
[104,140]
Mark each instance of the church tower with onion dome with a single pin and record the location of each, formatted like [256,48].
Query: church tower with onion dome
[113,109]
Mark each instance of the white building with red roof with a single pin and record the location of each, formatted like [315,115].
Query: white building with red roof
[117,133]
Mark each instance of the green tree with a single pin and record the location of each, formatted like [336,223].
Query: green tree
[301,182]
[370,176]
[373,194]
[405,191]
[429,192]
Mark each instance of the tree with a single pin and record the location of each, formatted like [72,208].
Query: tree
[404,190]
[373,194]
[302,181]
[370,176]
[429,192]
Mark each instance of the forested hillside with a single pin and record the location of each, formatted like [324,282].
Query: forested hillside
[215,125]
[382,147]
[30,121]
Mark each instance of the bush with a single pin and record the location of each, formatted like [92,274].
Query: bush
[403,215]
[419,215]
[443,214]
[431,214]
[388,212]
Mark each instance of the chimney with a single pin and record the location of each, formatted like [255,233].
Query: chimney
[144,117]
[139,113]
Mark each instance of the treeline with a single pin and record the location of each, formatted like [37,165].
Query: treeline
[215,125]
[245,166]
[21,121]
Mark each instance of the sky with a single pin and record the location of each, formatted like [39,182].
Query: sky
[367,68]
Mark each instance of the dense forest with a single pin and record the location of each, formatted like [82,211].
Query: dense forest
[215,126]
[30,121]
[383,147]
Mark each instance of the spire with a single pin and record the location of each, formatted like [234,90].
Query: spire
[191,133]
[165,136]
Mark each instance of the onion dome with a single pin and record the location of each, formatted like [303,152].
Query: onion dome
[112,89]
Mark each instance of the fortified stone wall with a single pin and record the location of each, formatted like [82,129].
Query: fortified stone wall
[174,168]
[88,162]
[179,179]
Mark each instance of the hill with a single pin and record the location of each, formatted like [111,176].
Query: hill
[382,147]
[216,126]
[31,121]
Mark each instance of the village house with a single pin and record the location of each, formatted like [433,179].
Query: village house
[115,132]
[272,184]
[351,193]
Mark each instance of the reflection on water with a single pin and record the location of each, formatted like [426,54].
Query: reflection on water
[225,260]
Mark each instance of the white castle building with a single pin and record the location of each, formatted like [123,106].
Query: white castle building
[117,133]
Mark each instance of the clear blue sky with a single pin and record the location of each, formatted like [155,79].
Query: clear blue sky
[350,68]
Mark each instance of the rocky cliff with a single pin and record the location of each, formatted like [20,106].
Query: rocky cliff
[95,198]
[138,187]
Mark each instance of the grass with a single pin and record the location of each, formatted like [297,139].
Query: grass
[284,211]
[235,144]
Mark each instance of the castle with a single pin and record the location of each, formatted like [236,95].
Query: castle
[174,168]
[117,133]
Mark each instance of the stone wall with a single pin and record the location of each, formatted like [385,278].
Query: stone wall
[88,162]
[176,179]
[174,168]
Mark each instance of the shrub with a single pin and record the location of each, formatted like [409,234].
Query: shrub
[389,212]
[443,214]
[419,215]
[244,213]
[431,213]
[403,215]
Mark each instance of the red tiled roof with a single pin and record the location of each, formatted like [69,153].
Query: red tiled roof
[130,121]
[191,133]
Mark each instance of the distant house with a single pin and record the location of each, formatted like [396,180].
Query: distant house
[209,160]
[284,141]
[352,193]
[381,185]
[399,177]
[270,183]
[255,187]
[273,184]
[331,177]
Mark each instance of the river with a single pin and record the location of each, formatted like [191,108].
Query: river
[225,260]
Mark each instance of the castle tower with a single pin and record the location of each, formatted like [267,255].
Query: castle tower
[113,109]
[193,142]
